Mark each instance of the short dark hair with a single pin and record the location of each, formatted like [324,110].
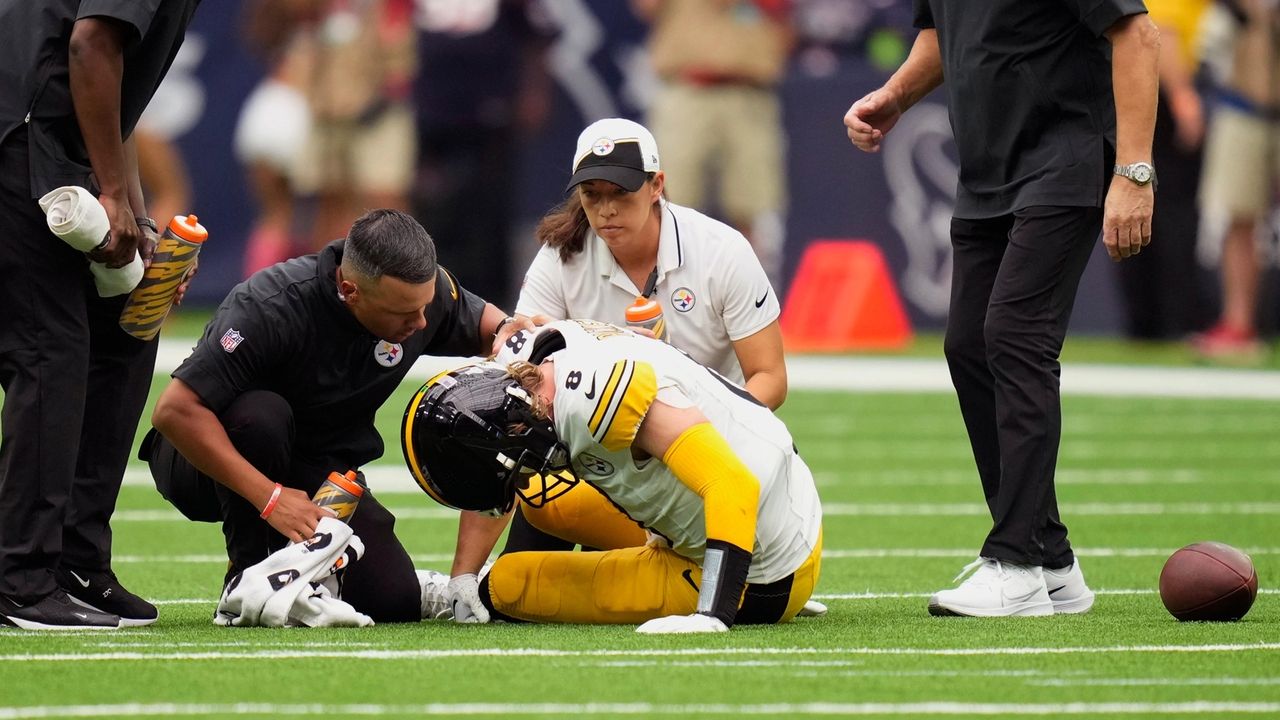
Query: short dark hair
[390,242]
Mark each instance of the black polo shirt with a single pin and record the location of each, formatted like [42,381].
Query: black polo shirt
[285,330]
[1029,88]
[35,87]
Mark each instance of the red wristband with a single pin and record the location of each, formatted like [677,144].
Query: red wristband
[271,504]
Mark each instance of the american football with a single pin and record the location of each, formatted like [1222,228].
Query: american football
[1208,581]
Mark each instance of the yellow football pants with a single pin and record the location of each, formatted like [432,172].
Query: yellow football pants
[584,516]
[629,586]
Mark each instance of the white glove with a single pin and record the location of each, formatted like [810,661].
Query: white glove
[464,593]
[695,623]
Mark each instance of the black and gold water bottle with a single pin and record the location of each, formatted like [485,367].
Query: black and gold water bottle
[175,253]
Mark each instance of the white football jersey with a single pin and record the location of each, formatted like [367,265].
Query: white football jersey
[606,379]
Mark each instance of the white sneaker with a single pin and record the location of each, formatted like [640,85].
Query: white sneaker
[996,589]
[435,595]
[812,608]
[1067,589]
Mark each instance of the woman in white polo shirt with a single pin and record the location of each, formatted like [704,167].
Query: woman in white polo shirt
[615,238]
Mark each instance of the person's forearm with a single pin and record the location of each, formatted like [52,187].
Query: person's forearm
[137,200]
[921,73]
[477,534]
[196,433]
[1135,60]
[770,388]
[763,365]
[96,67]
[489,320]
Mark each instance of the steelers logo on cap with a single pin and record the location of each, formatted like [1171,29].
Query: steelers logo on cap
[603,146]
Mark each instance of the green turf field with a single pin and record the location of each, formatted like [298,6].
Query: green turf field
[1138,478]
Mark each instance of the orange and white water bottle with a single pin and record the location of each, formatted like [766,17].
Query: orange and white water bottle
[647,313]
[341,493]
[150,302]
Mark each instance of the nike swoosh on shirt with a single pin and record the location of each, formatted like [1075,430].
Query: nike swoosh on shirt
[763,297]
[591,394]
[82,581]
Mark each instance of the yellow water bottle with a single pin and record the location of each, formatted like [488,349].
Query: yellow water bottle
[341,492]
[150,302]
[647,313]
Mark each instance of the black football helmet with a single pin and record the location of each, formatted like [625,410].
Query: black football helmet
[472,442]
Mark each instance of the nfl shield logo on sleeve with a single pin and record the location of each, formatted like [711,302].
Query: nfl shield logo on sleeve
[231,339]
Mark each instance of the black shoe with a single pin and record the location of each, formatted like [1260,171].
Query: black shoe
[54,611]
[101,591]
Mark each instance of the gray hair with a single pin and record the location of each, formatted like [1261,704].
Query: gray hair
[390,242]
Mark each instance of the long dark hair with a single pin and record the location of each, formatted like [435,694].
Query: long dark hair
[565,226]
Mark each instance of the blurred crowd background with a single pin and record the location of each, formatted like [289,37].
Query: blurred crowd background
[282,120]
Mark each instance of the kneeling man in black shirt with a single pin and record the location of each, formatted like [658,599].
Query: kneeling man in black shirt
[283,388]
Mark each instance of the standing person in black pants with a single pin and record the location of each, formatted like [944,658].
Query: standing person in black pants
[282,390]
[74,77]
[1052,105]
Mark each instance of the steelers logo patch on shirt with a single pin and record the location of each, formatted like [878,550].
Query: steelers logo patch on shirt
[388,354]
[683,300]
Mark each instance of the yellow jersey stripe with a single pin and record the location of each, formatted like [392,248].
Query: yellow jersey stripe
[606,395]
[633,404]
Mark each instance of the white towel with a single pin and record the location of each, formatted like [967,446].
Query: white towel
[76,216]
[296,585]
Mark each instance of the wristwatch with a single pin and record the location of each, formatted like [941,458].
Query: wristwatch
[1139,172]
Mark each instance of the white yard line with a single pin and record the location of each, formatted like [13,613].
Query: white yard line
[1195,707]
[827,554]
[861,510]
[389,478]
[1067,509]
[901,595]
[819,596]
[826,597]
[816,372]
[1152,682]
[424,654]
[872,553]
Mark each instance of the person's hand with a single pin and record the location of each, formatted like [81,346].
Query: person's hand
[186,281]
[147,246]
[295,516]
[125,236]
[871,117]
[464,594]
[518,323]
[695,623]
[1126,218]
